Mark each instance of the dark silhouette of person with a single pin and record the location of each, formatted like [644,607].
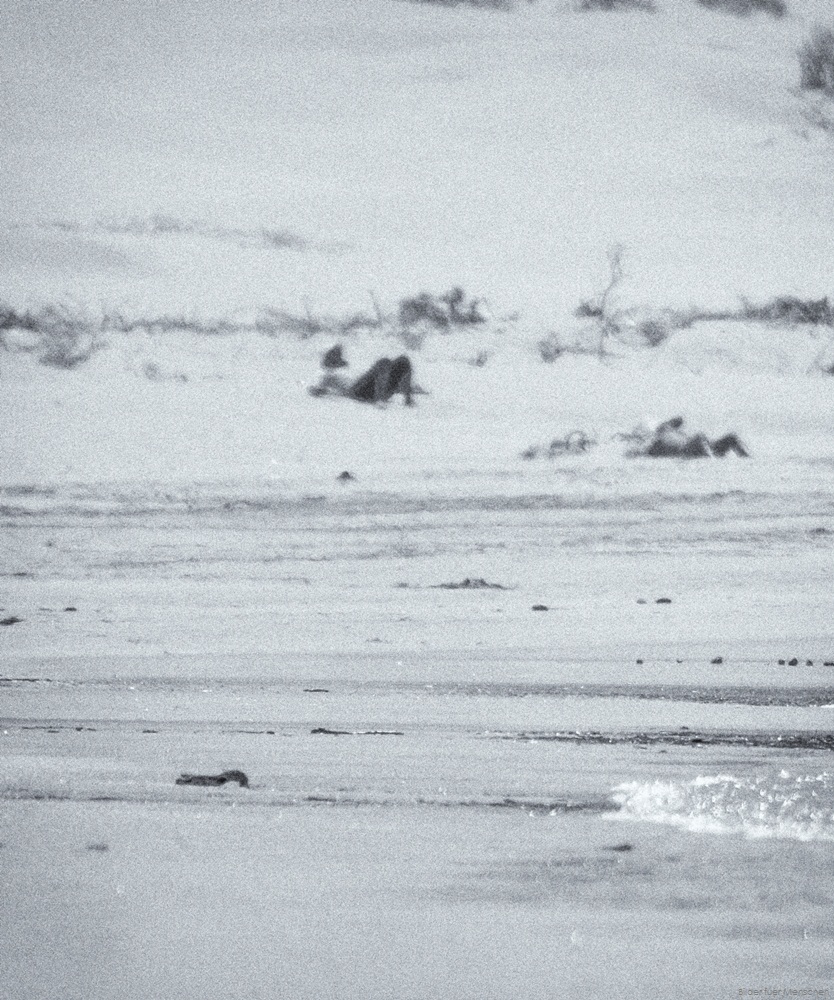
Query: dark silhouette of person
[670,440]
[384,379]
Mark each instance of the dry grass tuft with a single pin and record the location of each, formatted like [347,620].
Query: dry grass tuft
[60,336]
[442,312]
[786,309]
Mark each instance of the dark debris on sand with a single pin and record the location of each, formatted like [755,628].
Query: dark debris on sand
[214,780]
[796,740]
[324,731]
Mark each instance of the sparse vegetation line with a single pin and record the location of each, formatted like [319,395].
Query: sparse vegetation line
[63,336]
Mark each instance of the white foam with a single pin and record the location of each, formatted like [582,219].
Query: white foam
[782,805]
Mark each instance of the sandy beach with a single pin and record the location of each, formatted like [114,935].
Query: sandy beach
[511,708]
[470,798]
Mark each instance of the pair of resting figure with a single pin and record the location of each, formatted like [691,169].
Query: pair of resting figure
[384,379]
[387,377]
[670,440]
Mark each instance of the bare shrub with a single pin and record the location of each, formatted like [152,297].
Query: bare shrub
[67,339]
[412,340]
[273,322]
[651,328]
[423,308]
[167,323]
[441,311]
[63,338]
[816,62]
[11,319]
[576,442]
[601,306]
[654,331]
[591,339]
[551,347]
[588,310]
[787,309]
[741,8]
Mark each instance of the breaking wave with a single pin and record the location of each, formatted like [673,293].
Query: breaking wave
[784,806]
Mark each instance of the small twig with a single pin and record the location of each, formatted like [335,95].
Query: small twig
[615,258]
[309,314]
[379,317]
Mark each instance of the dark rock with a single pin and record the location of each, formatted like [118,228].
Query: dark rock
[718,659]
[70,608]
[663,600]
[639,661]
[213,780]
[621,848]
[540,607]
[346,477]
[316,690]
[471,583]
[793,663]
[809,663]
[781,663]
[11,620]
[642,600]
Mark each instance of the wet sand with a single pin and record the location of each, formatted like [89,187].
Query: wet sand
[451,794]
[196,900]
[397,839]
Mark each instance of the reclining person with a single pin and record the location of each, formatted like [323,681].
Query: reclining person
[378,384]
[670,440]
